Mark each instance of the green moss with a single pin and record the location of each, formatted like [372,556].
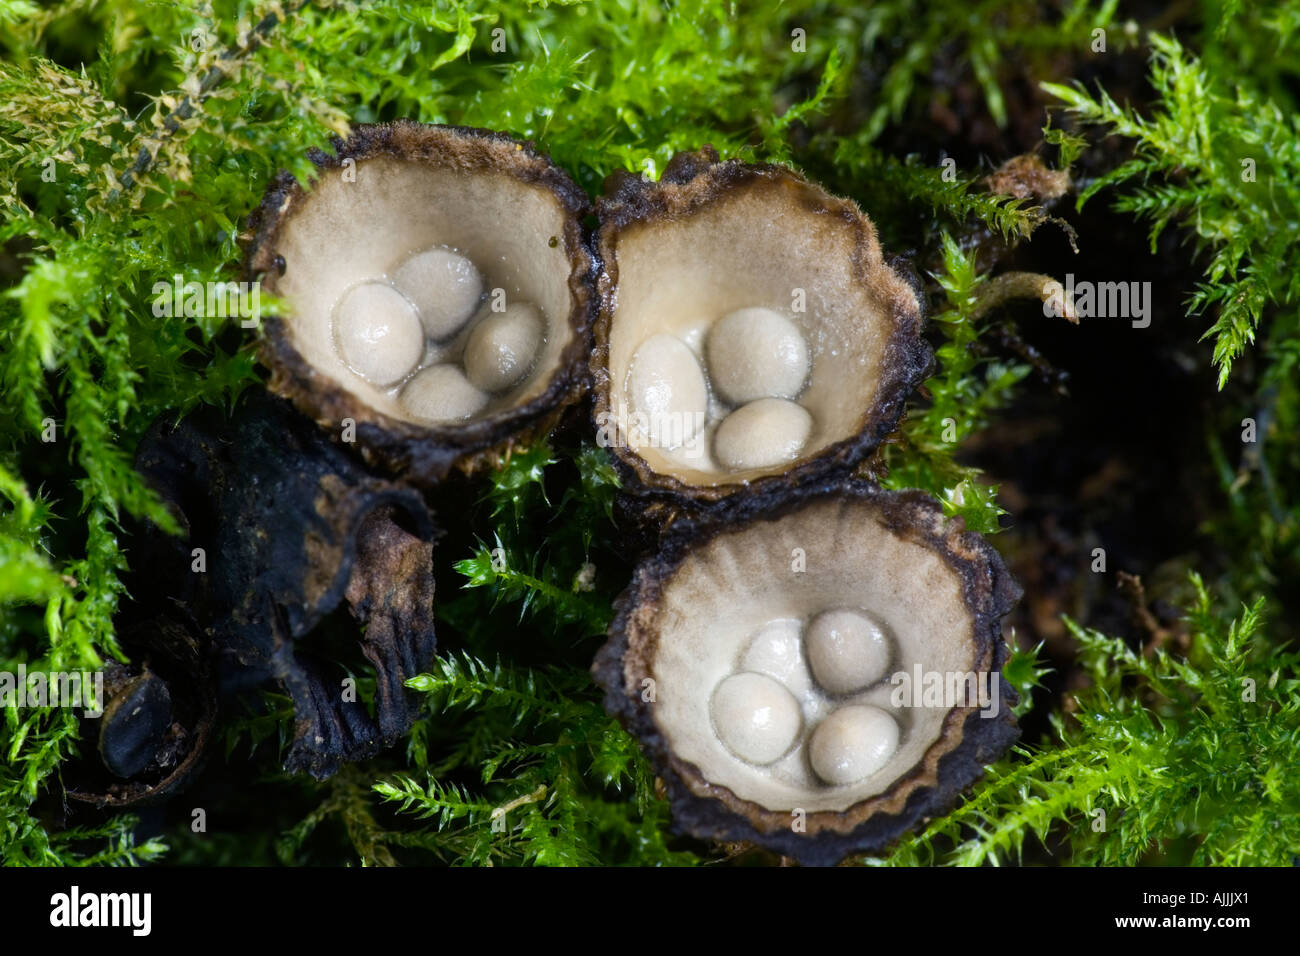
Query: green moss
[1163,758]
[1223,160]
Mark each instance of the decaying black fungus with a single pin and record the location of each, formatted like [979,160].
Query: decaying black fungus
[159,713]
[734,601]
[287,528]
[386,193]
[134,725]
[679,259]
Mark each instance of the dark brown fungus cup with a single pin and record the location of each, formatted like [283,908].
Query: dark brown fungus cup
[158,715]
[750,334]
[437,291]
[283,529]
[814,672]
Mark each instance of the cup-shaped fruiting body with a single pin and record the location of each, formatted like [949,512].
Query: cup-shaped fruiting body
[750,334]
[151,720]
[817,671]
[304,554]
[437,294]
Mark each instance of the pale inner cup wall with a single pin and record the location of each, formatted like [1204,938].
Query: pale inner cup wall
[751,248]
[346,232]
[728,590]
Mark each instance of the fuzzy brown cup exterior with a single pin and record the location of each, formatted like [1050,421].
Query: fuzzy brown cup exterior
[426,453]
[954,760]
[694,184]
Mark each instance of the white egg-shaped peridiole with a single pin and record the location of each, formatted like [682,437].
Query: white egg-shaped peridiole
[503,347]
[847,650]
[768,432]
[668,391]
[852,743]
[446,288]
[378,333]
[756,353]
[777,650]
[755,717]
[442,393]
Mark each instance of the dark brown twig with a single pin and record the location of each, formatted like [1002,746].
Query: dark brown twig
[1130,585]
